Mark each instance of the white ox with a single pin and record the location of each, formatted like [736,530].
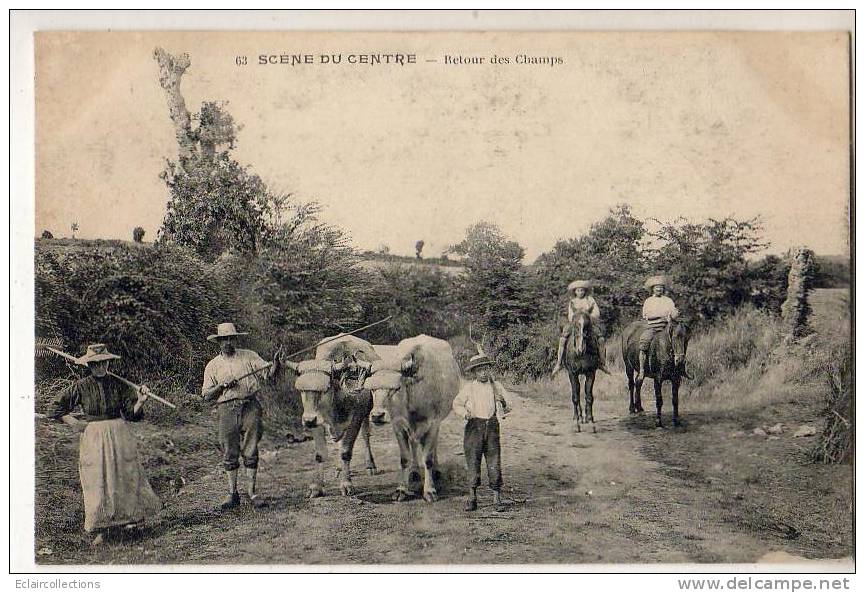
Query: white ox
[416,386]
[329,402]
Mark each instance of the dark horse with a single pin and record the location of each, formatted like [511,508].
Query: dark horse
[665,361]
[581,358]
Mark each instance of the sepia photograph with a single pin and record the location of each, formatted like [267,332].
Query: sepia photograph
[442,299]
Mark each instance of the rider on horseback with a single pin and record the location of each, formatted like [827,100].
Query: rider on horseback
[658,310]
[580,301]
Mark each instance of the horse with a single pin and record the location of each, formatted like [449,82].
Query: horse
[582,358]
[665,361]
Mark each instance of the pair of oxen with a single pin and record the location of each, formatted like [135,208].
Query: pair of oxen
[350,381]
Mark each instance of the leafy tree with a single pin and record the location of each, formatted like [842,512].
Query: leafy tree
[418,247]
[215,204]
[708,263]
[420,300]
[768,283]
[138,234]
[611,255]
[46,234]
[302,285]
[74,228]
[154,307]
[493,290]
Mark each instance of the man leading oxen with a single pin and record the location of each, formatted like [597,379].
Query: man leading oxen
[334,400]
[416,387]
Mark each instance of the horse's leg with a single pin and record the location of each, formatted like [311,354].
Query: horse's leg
[659,401]
[675,398]
[629,372]
[575,393]
[638,402]
[590,383]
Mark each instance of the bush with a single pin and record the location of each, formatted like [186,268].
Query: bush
[525,351]
[836,440]
[832,272]
[420,299]
[138,234]
[768,280]
[708,264]
[154,307]
[610,255]
[493,292]
[746,338]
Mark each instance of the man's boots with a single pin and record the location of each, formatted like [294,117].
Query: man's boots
[233,499]
[560,357]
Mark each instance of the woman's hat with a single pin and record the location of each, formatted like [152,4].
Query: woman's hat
[96,353]
[573,286]
[653,281]
[478,360]
[225,330]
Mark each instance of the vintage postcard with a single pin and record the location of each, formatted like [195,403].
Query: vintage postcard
[437,298]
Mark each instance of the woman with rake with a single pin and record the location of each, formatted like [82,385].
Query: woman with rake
[117,493]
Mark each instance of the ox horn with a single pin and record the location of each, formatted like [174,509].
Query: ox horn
[290,364]
[407,365]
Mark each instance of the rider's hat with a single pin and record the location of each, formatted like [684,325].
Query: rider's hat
[658,279]
[573,286]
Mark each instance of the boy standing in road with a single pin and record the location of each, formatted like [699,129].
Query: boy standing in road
[481,403]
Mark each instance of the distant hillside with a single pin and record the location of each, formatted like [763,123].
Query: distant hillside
[372,260]
[377,264]
[66,244]
[833,271]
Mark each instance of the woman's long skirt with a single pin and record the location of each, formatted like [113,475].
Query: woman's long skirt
[116,490]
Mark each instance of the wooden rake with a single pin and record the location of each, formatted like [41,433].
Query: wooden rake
[46,346]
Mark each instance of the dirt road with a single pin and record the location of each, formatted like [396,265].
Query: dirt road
[627,493]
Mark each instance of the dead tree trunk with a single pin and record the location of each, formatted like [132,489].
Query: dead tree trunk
[796,309]
[171,69]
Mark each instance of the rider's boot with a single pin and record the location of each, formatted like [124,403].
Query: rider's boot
[602,355]
[642,374]
[560,356]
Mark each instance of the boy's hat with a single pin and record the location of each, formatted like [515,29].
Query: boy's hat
[477,361]
[96,353]
[653,281]
[225,330]
[573,286]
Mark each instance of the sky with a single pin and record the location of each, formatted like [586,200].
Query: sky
[695,125]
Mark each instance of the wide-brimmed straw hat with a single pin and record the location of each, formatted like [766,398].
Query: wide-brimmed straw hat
[655,280]
[225,330]
[96,353]
[477,361]
[573,286]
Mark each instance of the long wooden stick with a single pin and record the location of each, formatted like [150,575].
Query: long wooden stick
[360,329]
[118,377]
[270,364]
[266,366]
